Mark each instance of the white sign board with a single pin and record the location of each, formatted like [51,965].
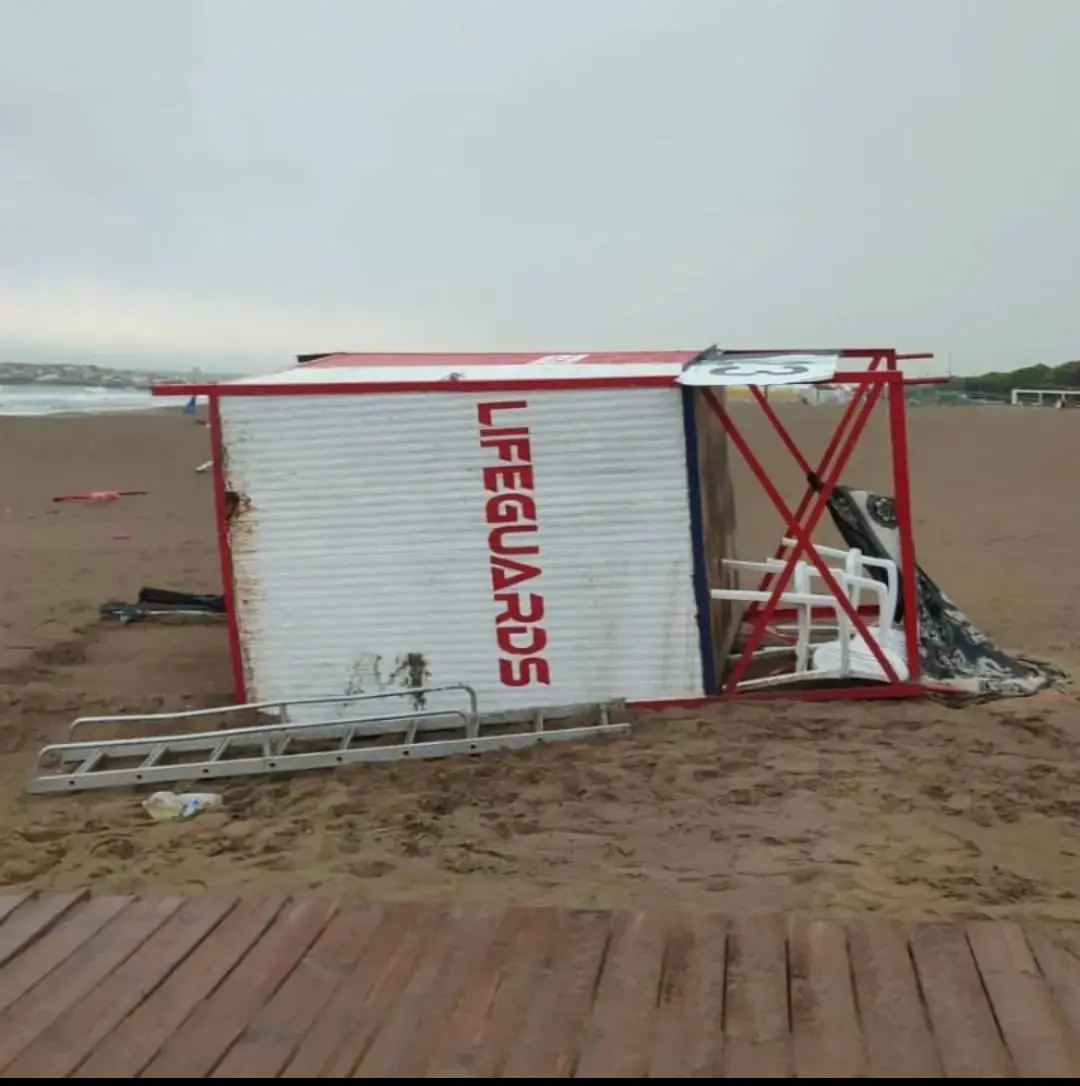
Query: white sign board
[761,369]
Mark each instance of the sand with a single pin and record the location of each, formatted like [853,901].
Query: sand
[903,809]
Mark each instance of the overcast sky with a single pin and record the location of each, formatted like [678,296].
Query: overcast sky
[229,182]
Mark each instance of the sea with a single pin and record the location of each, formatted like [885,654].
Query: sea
[30,400]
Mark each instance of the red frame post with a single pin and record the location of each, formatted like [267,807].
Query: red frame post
[221,516]
[882,374]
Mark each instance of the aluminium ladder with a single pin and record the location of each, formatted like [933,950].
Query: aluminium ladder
[288,743]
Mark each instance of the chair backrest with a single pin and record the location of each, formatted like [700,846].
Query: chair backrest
[862,569]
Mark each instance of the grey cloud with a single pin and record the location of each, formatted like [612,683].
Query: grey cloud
[557,174]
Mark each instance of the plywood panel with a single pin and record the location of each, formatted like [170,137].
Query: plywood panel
[718,522]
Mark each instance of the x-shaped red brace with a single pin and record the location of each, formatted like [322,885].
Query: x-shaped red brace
[812,476]
[809,514]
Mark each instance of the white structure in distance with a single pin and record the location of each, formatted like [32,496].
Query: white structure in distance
[1045,397]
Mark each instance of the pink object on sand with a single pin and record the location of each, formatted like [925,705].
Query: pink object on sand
[98,496]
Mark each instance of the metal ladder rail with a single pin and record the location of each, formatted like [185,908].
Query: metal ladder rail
[86,751]
[282,706]
[296,763]
[88,755]
[603,712]
[366,726]
[390,724]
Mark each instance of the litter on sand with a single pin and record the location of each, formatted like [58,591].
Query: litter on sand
[99,496]
[169,806]
[165,603]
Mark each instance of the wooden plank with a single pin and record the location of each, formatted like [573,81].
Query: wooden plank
[757,1034]
[827,1038]
[9,903]
[899,1041]
[689,1030]
[618,1039]
[1061,968]
[195,1048]
[130,1047]
[406,1038]
[1034,1028]
[269,1042]
[56,945]
[32,919]
[347,1024]
[491,1010]
[718,520]
[967,1036]
[26,1019]
[72,1037]
[551,1035]
[111,987]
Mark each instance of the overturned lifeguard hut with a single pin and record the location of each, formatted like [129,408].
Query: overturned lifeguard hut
[545,529]
[445,553]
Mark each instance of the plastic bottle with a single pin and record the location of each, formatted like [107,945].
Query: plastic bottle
[168,806]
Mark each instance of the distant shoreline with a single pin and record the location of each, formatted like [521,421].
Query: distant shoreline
[53,399]
[7,383]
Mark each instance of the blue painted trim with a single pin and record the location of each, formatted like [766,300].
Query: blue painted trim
[697,544]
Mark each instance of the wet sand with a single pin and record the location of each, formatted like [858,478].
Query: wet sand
[904,809]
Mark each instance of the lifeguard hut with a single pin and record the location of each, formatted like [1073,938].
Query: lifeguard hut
[551,530]
[543,528]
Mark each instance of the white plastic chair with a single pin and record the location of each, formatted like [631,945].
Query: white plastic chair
[857,563]
[850,649]
[847,655]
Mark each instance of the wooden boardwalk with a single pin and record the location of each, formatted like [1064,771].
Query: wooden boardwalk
[221,987]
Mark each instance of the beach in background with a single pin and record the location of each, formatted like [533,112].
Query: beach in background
[916,808]
[50,399]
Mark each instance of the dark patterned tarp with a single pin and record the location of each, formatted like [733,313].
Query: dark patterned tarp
[953,652]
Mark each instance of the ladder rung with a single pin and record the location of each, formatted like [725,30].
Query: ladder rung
[153,757]
[91,763]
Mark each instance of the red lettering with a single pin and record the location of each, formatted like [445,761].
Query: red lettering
[509,448]
[524,672]
[498,545]
[510,509]
[485,412]
[508,573]
[502,431]
[535,639]
[512,612]
[517,477]
[511,514]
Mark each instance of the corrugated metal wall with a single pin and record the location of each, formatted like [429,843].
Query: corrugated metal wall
[362,558]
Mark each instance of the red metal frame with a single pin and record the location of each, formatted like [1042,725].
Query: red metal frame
[221,519]
[881,375]
[827,456]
